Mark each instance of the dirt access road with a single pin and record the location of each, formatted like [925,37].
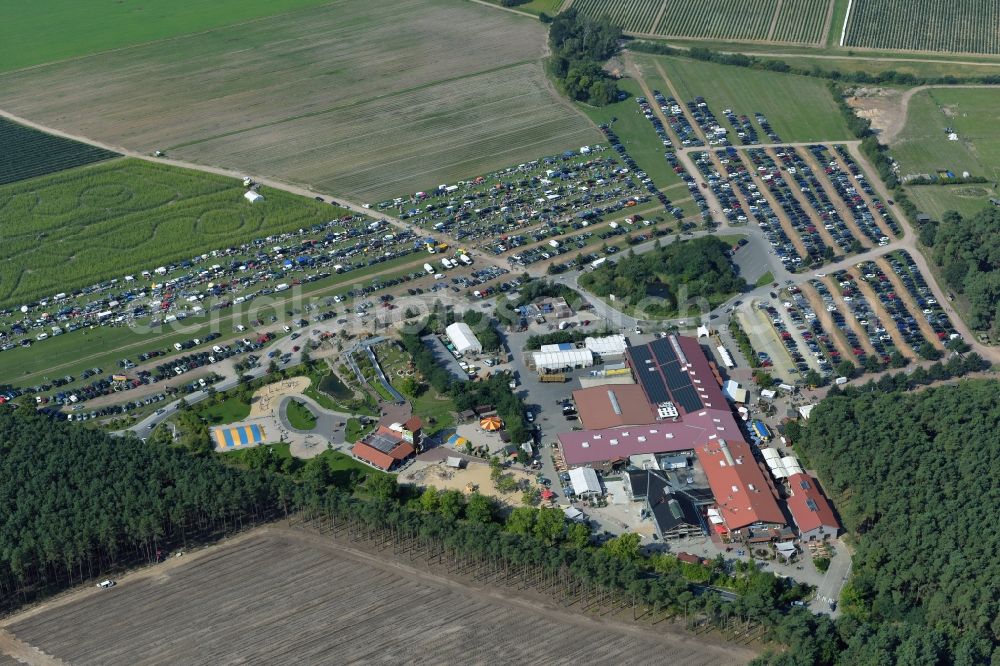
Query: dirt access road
[285,595]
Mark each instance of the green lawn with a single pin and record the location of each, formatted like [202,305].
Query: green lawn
[636,134]
[765,279]
[882,63]
[924,147]
[80,226]
[966,199]
[436,411]
[299,416]
[353,430]
[36,32]
[230,410]
[347,472]
[799,108]
[281,450]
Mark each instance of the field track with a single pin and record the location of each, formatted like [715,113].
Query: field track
[284,595]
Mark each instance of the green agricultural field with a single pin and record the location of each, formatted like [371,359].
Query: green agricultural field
[636,133]
[32,33]
[923,146]
[26,153]
[365,100]
[961,26]
[799,108]
[74,228]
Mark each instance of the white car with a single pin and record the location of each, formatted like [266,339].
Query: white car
[105,584]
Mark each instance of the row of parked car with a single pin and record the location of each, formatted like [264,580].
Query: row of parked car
[667,105]
[505,202]
[867,188]
[913,280]
[819,201]
[878,336]
[864,217]
[837,317]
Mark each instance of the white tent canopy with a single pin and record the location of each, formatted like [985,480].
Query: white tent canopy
[612,345]
[558,360]
[253,197]
[584,480]
[463,338]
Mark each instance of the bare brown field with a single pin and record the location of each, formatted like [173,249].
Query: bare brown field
[414,140]
[363,98]
[281,595]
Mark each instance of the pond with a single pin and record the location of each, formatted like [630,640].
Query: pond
[333,387]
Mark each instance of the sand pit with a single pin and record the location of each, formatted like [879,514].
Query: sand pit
[440,476]
[265,401]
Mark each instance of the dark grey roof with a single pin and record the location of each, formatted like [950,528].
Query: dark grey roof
[671,508]
[639,482]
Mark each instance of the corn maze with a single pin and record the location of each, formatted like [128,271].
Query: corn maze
[74,228]
[26,153]
[792,21]
[960,26]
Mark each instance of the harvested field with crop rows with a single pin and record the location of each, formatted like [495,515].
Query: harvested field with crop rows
[280,596]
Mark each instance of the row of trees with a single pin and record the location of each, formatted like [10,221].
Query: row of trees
[671,275]
[540,548]
[580,47]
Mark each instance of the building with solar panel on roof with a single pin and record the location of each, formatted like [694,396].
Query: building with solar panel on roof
[677,406]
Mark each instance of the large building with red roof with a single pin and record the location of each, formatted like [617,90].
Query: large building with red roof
[810,510]
[744,496]
[384,448]
[676,405]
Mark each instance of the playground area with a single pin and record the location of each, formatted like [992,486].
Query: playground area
[474,476]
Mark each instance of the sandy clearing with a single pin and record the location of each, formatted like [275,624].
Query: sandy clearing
[440,476]
[266,400]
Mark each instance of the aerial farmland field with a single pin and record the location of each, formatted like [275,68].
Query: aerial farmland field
[77,227]
[962,26]
[785,21]
[279,595]
[32,33]
[362,99]
[25,153]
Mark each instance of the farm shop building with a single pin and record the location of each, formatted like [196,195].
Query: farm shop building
[676,406]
